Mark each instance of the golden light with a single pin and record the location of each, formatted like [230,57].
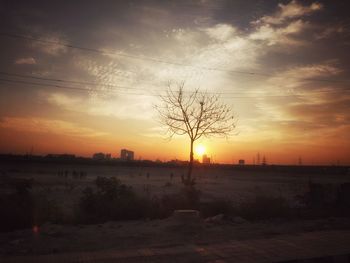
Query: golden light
[199,149]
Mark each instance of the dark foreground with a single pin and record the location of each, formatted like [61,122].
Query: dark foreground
[321,246]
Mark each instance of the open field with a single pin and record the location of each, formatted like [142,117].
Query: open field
[63,182]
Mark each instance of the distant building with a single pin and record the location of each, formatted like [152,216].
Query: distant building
[126,155]
[205,159]
[241,162]
[61,156]
[101,156]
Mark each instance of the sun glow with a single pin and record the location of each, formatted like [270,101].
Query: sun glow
[200,150]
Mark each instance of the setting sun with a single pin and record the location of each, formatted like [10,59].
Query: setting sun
[200,149]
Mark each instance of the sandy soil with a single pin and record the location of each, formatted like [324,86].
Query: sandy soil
[53,238]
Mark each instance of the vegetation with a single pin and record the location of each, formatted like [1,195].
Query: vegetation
[109,199]
[23,209]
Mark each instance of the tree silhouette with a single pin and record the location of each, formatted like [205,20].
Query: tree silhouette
[197,114]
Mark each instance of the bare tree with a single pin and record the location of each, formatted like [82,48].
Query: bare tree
[196,114]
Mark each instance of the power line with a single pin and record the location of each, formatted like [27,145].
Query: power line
[147,58]
[125,93]
[96,84]
[67,87]
[140,94]
[43,84]
[89,49]
[65,81]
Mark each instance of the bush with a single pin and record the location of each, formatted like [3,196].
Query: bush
[110,201]
[220,206]
[264,207]
[325,200]
[23,209]
[16,211]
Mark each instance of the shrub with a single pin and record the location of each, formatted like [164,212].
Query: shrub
[264,207]
[192,197]
[110,201]
[23,209]
[219,206]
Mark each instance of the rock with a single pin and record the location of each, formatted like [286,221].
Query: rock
[109,224]
[218,219]
[54,233]
[238,220]
[186,216]
[51,230]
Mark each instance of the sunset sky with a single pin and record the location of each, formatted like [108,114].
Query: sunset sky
[82,77]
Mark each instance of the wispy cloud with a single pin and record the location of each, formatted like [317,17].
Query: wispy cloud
[295,78]
[25,61]
[122,107]
[291,10]
[280,35]
[49,38]
[42,125]
[329,31]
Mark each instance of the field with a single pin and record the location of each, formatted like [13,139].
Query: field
[65,182]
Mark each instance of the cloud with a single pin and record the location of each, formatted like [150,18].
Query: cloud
[124,106]
[319,121]
[221,32]
[329,31]
[280,35]
[328,113]
[43,125]
[191,49]
[306,109]
[25,61]
[284,25]
[63,100]
[296,79]
[289,11]
[50,48]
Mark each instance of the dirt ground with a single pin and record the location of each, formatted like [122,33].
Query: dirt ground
[213,184]
[52,238]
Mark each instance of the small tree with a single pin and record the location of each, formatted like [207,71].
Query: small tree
[196,114]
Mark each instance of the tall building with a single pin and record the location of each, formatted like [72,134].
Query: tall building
[205,159]
[300,162]
[126,155]
[241,162]
[101,156]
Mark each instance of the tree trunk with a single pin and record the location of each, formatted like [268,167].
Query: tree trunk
[190,165]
